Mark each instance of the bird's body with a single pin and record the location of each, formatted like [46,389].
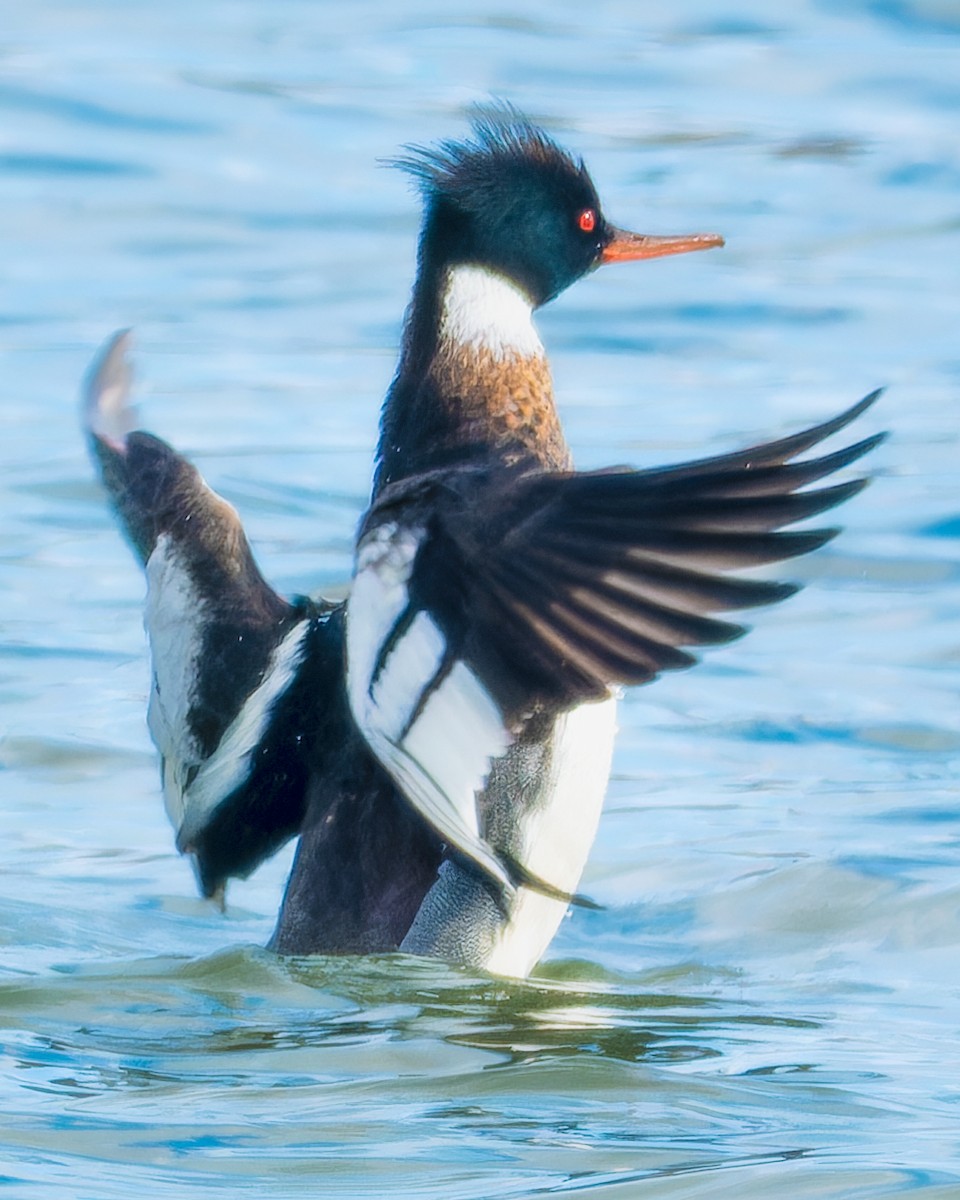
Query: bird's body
[442,741]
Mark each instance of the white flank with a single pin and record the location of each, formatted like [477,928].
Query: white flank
[227,768]
[558,833]
[483,309]
[173,619]
[444,760]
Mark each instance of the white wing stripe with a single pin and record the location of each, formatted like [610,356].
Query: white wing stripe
[377,600]
[229,765]
[436,733]
[455,739]
[405,674]
[173,619]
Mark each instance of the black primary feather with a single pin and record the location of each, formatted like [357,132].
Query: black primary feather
[555,586]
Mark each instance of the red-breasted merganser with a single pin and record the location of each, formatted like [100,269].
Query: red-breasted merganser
[441,741]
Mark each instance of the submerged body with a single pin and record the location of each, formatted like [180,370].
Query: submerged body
[442,741]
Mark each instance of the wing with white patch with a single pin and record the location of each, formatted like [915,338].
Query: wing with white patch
[427,718]
[482,597]
[227,651]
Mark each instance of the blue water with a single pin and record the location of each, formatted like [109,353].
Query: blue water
[769,1004]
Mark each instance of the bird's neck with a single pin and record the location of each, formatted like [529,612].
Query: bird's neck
[473,383]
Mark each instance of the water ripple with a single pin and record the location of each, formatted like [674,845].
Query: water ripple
[62,164]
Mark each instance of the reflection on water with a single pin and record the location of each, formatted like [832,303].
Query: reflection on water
[767,1003]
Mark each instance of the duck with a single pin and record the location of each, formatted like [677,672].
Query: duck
[440,741]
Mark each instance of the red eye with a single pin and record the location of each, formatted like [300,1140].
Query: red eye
[587,220]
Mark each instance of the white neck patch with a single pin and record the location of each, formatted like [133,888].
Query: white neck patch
[482,309]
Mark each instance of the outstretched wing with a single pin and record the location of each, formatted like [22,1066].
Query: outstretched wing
[478,602]
[233,696]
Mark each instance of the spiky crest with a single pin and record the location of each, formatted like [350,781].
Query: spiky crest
[504,142]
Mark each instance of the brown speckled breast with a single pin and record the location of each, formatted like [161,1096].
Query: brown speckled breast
[504,401]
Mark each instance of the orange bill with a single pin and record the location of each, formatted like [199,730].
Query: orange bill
[625,246]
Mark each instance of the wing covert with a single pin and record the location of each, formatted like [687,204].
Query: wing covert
[226,650]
